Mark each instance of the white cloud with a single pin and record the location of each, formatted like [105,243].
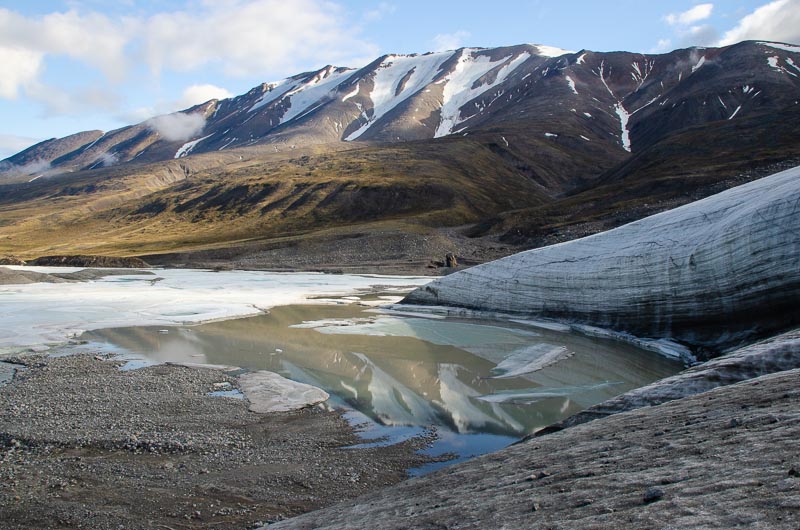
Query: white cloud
[775,21]
[252,37]
[450,41]
[178,126]
[695,14]
[663,45]
[259,38]
[704,35]
[76,102]
[26,41]
[21,68]
[197,94]
[380,12]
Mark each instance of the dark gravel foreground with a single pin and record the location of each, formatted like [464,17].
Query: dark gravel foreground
[726,458]
[85,445]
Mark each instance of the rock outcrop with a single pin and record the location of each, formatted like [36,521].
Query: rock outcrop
[88,261]
[713,274]
[776,354]
[722,459]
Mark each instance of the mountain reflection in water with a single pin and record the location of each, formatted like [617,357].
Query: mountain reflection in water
[461,376]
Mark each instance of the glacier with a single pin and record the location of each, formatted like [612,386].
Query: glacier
[713,274]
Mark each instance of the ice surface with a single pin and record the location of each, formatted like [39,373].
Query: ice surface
[708,273]
[33,315]
[269,392]
[531,359]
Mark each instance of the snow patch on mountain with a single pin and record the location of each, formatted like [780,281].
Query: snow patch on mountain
[398,78]
[550,51]
[571,84]
[352,94]
[314,91]
[460,84]
[277,90]
[781,46]
[188,146]
[623,121]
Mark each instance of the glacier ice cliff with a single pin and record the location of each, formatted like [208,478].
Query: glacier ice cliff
[713,274]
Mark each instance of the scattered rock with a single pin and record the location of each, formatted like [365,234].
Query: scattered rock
[96,447]
[652,495]
[11,260]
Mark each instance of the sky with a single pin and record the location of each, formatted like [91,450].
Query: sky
[76,65]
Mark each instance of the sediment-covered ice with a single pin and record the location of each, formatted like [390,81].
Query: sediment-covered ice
[714,273]
[269,392]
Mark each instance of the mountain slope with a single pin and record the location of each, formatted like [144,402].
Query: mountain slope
[527,144]
[621,100]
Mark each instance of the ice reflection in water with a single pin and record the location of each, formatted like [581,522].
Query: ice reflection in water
[480,384]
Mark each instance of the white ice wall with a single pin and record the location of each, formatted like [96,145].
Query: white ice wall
[712,273]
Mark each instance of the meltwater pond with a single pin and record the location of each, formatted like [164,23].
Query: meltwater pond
[479,384]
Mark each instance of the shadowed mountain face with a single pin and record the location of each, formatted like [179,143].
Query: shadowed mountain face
[527,142]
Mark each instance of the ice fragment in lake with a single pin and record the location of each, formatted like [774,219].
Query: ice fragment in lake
[531,359]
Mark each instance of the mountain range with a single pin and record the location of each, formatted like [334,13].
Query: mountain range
[517,146]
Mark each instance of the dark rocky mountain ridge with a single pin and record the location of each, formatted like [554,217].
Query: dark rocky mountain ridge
[526,144]
[620,100]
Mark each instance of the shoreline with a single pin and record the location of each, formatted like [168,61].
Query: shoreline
[103,437]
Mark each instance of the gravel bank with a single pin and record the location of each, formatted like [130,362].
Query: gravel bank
[85,445]
[727,458]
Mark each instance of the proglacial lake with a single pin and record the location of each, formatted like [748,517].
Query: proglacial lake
[474,382]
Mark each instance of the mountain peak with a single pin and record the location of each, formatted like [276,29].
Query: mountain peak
[618,100]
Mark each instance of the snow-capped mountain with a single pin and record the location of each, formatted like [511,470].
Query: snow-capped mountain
[616,102]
